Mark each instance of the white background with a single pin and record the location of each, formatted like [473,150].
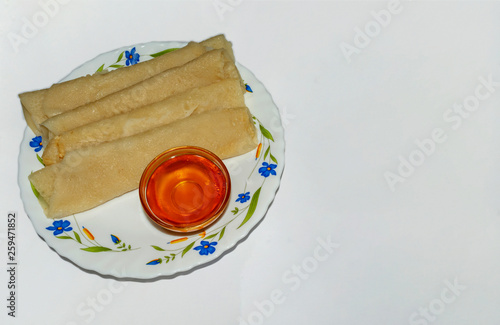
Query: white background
[426,252]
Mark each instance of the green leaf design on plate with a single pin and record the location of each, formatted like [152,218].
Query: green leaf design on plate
[100,68]
[64,237]
[155,55]
[77,237]
[37,195]
[266,133]
[157,248]
[211,236]
[251,207]
[116,66]
[235,210]
[273,158]
[267,152]
[120,56]
[222,233]
[188,248]
[40,159]
[96,249]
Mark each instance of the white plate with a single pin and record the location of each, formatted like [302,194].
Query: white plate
[117,238]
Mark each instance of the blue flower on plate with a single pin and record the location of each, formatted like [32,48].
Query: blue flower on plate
[154,262]
[267,169]
[59,226]
[36,143]
[248,88]
[243,197]
[115,239]
[206,248]
[132,57]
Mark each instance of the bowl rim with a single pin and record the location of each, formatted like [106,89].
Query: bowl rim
[176,152]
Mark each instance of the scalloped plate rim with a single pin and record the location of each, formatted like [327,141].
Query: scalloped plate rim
[262,208]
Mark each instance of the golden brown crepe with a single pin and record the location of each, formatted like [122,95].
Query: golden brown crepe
[31,102]
[219,42]
[88,177]
[213,66]
[223,94]
[41,104]
[68,95]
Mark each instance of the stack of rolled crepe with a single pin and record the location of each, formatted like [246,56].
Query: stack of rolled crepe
[102,132]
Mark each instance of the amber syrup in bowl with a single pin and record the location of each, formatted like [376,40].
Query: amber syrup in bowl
[185,189]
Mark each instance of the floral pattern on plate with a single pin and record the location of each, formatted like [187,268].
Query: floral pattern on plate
[62,230]
[255,177]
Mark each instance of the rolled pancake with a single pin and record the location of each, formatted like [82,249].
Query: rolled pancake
[91,176]
[67,95]
[213,66]
[29,121]
[219,42]
[31,103]
[223,94]
[41,104]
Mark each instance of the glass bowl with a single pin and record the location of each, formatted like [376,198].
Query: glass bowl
[185,189]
